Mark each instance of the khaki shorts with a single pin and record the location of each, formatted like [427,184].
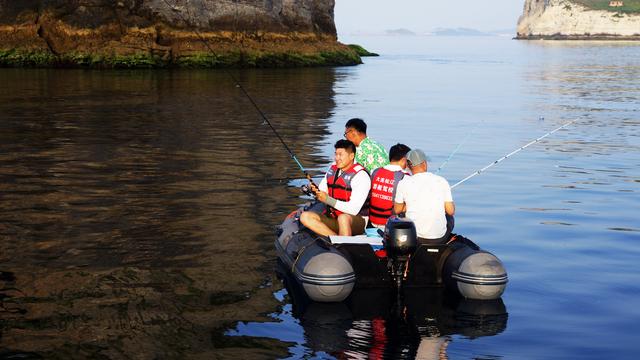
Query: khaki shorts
[357,224]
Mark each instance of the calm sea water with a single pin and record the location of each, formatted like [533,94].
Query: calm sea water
[137,208]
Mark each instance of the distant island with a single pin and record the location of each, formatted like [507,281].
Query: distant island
[400,32]
[459,32]
[580,20]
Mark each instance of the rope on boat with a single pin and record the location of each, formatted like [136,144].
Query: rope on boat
[244,91]
[512,153]
[312,241]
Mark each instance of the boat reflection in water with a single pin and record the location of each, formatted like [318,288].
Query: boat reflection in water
[373,324]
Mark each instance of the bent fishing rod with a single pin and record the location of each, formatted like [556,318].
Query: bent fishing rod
[512,153]
[246,93]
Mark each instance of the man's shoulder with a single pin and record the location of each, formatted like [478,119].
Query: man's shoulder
[390,169]
[393,168]
[376,144]
[361,176]
[438,179]
[357,168]
[425,178]
[407,179]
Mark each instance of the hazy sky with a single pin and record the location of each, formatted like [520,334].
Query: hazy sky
[425,15]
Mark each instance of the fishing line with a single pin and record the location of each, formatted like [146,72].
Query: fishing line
[244,91]
[512,153]
[459,146]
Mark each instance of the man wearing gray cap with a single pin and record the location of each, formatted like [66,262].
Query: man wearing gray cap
[426,199]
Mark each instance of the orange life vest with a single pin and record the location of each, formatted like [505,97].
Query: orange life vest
[383,193]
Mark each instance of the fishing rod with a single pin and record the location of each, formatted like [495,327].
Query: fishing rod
[246,93]
[459,146]
[512,153]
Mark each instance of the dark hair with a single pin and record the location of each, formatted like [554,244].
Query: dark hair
[398,151]
[357,124]
[347,145]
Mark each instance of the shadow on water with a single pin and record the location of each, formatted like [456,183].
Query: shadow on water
[372,324]
[135,204]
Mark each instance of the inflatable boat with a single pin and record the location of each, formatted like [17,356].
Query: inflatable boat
[329,268]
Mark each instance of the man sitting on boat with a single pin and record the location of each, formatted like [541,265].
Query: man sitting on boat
[344,189]
[384,182]
[426,199]
[369,153]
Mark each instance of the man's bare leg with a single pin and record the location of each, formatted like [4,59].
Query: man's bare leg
[345,222]
[312,221]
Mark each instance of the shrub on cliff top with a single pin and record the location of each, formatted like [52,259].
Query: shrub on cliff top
[630,6]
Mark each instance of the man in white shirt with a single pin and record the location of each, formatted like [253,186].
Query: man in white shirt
[345,190]
[426,199]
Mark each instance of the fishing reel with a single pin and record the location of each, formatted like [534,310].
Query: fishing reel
[306,189]
[400,241]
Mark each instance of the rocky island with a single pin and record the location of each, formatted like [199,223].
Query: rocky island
[580,20]
[163,33]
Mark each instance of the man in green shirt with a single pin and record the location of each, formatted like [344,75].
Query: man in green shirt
[369,153]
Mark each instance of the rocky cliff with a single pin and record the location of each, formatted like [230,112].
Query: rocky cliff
[563,19]
[170,32]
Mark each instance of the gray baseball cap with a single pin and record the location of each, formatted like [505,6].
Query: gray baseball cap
[416,157]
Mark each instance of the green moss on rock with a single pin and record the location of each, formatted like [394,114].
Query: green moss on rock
[17,58]
[236,59]
[361,51]
[26,59]
[269,59]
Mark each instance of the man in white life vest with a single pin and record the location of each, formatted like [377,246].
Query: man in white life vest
[384,182]
[426,199]
[345,191]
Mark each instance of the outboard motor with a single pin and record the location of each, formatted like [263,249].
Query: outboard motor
[400,242]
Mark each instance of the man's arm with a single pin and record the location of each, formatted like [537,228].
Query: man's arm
[399,208]
[449,208]
[360,185]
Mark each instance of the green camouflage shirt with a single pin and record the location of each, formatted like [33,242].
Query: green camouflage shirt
[371,155]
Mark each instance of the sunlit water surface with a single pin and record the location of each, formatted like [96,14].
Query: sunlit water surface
[137,208]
